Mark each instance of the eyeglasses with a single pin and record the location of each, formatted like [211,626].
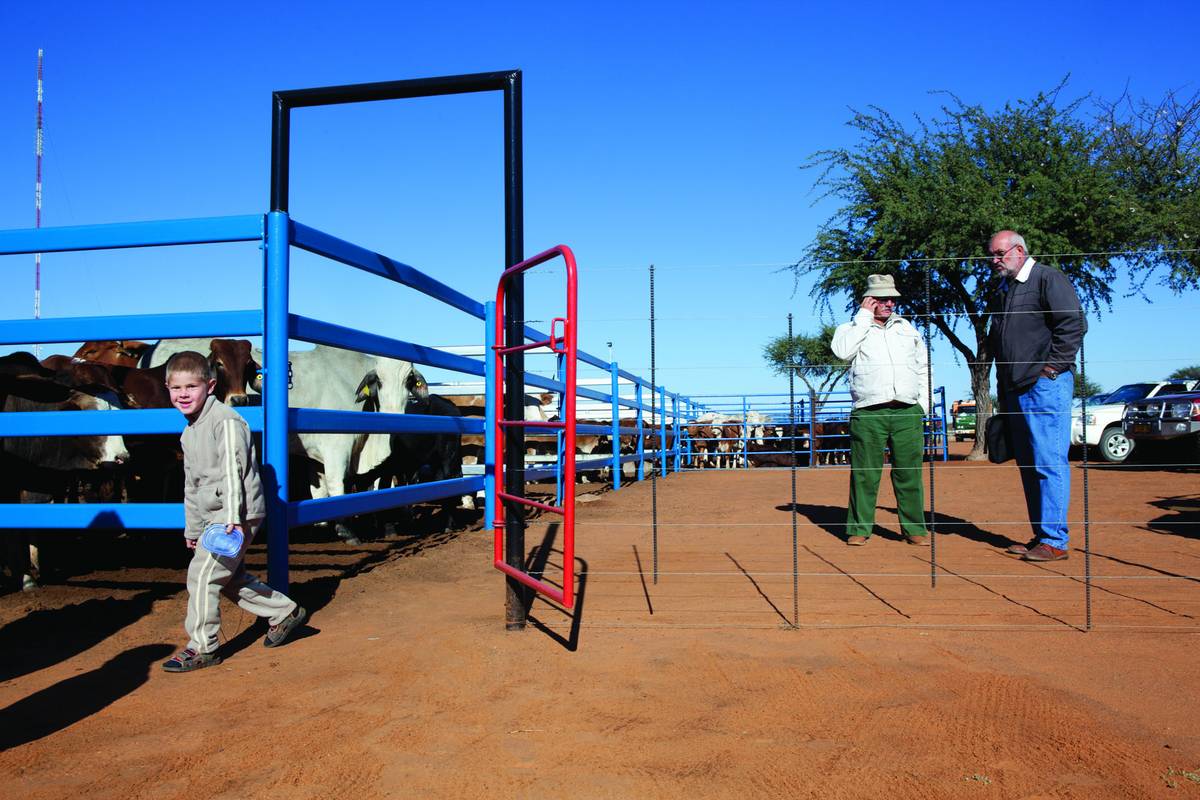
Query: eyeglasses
[1002,253]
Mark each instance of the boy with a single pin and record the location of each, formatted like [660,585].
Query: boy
[221,485]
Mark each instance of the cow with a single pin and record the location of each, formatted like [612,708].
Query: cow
[120,353]
[155,466]
[53,468]
[332,378]
[427,457]
[774,447]
[236,365]
[729,444]
[832,441]
[703,436]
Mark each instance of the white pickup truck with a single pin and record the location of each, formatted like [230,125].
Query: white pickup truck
[1104,420]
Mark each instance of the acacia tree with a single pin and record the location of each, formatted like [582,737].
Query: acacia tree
[811,358]
[921,204]
[1154,149]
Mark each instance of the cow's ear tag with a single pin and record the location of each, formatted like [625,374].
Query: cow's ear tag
[366,391]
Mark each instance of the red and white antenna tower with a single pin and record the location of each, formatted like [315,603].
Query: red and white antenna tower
[37,205]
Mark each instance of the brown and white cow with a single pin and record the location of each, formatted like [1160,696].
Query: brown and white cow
[120,353]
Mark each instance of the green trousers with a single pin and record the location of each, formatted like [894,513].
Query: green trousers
[901,430]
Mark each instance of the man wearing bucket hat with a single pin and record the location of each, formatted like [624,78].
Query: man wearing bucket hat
[889,386]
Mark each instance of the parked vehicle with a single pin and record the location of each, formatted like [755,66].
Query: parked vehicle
[962,419]
[1094,400]
[1164,418]
[1104,426]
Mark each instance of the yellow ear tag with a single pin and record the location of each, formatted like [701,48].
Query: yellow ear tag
[366,391]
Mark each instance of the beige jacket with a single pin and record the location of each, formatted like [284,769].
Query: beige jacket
[887,362]
[221,482]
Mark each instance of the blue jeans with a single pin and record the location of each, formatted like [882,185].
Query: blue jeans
[1039,421]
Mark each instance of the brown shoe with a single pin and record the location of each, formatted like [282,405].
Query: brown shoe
[856,541]
[1044,552]
[919,541]
[1021,549]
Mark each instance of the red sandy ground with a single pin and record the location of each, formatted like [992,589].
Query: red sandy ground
[697,686]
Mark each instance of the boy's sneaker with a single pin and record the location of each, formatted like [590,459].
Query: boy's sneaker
[278,634]
[188,659]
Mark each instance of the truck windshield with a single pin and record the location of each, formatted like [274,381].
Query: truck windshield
[1130,392]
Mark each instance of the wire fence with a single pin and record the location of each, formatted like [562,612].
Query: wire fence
[1139,575]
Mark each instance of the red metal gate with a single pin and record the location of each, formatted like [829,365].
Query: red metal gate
[565,345]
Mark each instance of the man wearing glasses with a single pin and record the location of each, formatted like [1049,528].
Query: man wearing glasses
[1034,340]
[889,385]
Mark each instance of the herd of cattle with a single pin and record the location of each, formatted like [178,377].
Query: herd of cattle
[714,441]
[148,468]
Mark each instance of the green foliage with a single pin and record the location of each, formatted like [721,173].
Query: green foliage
[810,357]
[1085,387]
[1191,373]
[1153,150]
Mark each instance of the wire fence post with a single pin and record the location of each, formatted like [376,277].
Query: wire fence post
[929,394]
[792,447]
[1087,527]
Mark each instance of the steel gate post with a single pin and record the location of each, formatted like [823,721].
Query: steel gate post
[663,429]
[275,397]
[675,430]
[745,436]
[616,427]
[489,414]
[641,432]
[560,438]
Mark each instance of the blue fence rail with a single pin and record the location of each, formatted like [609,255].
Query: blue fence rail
[277,234]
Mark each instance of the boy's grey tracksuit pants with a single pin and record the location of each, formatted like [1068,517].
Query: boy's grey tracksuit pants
[209,576]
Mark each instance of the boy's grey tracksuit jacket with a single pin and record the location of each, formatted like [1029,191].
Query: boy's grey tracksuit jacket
[221,484]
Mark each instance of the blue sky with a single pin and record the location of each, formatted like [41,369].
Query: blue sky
[669,133]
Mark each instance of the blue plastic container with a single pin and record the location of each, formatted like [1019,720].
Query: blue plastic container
[215,540]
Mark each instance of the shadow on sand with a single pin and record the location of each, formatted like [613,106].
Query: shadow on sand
[78,697]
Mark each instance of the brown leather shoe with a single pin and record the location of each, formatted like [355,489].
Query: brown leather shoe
[919,541]
[1021,549]
[1044,552]
[856,541]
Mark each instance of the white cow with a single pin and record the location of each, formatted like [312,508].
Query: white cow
[328,377]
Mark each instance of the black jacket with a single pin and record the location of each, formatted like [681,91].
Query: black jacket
[1042,323]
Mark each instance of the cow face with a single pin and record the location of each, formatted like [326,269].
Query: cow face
[112,449]
[417,386]
[235,369]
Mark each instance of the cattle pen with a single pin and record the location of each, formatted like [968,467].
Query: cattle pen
[277,233]
[664,441]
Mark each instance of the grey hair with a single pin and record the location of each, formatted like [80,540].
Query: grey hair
[1016,238]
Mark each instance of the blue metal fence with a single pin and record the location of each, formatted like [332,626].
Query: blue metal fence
[275,419]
